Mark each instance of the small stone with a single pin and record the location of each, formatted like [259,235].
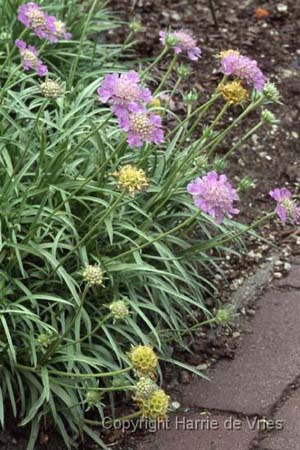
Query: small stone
[175,405]
[277,275]
[287,266]
[250,312]
[282,8]
[236,334]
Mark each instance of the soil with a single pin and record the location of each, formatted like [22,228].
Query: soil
[271,158]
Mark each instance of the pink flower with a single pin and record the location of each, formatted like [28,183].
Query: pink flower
[214,195]
[243,67]
[142,127]
[286,207]
[30,59]
[43,25]
[124,93]
[182,41]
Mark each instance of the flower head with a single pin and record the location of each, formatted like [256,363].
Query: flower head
[244,68]
[131,179]
[233,92]
[93,274]
[214,195]
[124,93]
[268,117]
[142,126]
[60,31]
[143,359]
[51,89]
[286,207]
[226,315]
[119,310]
[182,41]
[30,59]
[43,25]
[156,406]
[145,387]
[31,15]
[271,92]
[92,397]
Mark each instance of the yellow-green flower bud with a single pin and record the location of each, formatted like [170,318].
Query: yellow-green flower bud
[119,310]
[51,89]
[143,359]
[145,387]
[93,275]
[156,406]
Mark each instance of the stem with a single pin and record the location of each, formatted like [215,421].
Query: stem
[243,139]
[76,375]
[160,236]
[166,75]
[159,58]
[75,64]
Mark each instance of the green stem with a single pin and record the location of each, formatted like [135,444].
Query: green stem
[75,375]
[156,61]
[75,64]
[166,75]
[158,238]
[243,139]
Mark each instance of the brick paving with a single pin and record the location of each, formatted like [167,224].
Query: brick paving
[260,384]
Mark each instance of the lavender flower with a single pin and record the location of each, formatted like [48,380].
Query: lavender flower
[182,41]
[243,67]
[286,207]
[43,25]
[142,126]
[124,93]
[214,195]
[31,15]
[30,59]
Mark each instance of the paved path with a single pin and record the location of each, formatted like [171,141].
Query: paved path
[252,402]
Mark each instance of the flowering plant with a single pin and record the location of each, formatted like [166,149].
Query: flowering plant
[104,198]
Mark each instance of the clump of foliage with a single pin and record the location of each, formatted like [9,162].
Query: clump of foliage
[105,257]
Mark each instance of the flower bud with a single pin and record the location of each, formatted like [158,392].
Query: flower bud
[44,339]
[226,315]
[245,184]
[156,406]
[190,97]
[119,310]
[93,275]
[220,164]
[268,117]
[135,26]
[92,397]
[143,359]
[271,92]
[183,70]
[145,387]
[51,89]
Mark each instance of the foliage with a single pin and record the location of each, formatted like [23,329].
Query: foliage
[63,352]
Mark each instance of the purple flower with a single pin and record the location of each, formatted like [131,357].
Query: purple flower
[184,41]
[243,67]
[31,15]
[43,25]
[214,195]
[286,207]
[142,126]
[124,93]
[30,59]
